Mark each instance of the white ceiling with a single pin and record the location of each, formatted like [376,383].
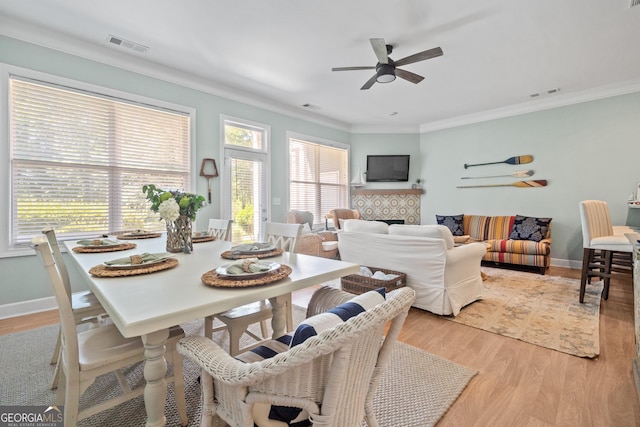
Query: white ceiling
[279,53]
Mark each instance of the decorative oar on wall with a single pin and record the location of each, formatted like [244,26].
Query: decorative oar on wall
[516,160]
[519,184]
[517,174]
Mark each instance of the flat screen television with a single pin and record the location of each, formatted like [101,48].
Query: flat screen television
[387,168]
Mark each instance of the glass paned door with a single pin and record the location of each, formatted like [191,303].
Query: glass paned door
[246,194]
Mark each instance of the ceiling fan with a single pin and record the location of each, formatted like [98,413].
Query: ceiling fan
[386,70]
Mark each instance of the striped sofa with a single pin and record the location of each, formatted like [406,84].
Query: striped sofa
[495,232]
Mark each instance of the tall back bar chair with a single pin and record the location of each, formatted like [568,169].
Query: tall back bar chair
[604,251]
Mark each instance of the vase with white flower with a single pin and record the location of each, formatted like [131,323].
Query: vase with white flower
[178,209]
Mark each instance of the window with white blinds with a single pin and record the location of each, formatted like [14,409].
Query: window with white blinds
[79,160]
[318,177]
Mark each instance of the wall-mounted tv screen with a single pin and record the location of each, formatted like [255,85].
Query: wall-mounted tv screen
[387,168]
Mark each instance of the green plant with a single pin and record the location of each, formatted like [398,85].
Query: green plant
[187,203]
[419,180]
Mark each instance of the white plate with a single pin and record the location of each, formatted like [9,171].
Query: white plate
[104,246]
[222,270]
[200,234]
[263,248]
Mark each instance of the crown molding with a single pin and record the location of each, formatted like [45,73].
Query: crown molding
[26,32]
[560,100]
[384,129]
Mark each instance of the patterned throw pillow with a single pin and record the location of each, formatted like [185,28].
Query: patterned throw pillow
[530,228]
[453,222]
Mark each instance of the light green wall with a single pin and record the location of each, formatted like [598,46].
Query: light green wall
[22,277]
[585,151]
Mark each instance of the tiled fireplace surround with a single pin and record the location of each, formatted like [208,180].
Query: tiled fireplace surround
[388,204]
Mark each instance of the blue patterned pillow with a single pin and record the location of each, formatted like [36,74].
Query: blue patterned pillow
[530,228]
[453,222]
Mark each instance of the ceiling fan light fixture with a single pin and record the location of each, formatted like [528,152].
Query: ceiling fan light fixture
[385,73]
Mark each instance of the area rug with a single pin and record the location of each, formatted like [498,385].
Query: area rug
[541,310]
[416,390]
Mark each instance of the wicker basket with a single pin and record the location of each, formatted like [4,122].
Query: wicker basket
[358,284]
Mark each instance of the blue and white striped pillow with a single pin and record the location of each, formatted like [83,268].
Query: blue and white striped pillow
[296,417]
[314,325]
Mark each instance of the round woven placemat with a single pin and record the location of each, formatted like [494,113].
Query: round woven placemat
[203,239]
[132,236]
[231,255]
[95,249]
[105,271]
[211,278]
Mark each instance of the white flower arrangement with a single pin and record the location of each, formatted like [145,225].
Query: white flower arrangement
[169,210]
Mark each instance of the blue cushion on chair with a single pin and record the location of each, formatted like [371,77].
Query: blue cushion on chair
[310,327]
[314,325]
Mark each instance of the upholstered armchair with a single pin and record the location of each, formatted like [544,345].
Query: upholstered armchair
[342,214]
[445,277]
[321,243]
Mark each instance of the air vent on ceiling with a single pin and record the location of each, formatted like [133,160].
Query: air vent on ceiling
[119,41]
[310,106]
[634,3]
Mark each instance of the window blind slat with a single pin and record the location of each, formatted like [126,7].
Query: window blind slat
[78,162]
[318,176]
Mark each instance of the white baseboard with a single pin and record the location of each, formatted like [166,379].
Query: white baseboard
[27,307]
[567,263]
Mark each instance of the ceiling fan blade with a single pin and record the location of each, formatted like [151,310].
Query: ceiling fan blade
[380,49]
[409,76]
[420,56]
[369,83]
[352,68]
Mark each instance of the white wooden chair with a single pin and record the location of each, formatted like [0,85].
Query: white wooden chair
[220,228]
[85,306]
[333,375]
[238,320]
[89,354]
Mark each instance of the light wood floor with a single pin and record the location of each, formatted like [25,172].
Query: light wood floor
[519,384]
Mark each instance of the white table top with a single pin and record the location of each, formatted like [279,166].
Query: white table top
[147,303]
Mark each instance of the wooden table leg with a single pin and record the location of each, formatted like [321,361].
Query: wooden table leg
[278,319]
[155,369]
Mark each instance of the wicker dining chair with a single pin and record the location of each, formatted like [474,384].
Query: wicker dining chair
[333,375]
[89,354]
[85,306]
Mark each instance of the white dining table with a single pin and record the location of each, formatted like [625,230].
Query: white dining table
[147,305]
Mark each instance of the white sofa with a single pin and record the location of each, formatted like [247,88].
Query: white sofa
[444,277]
